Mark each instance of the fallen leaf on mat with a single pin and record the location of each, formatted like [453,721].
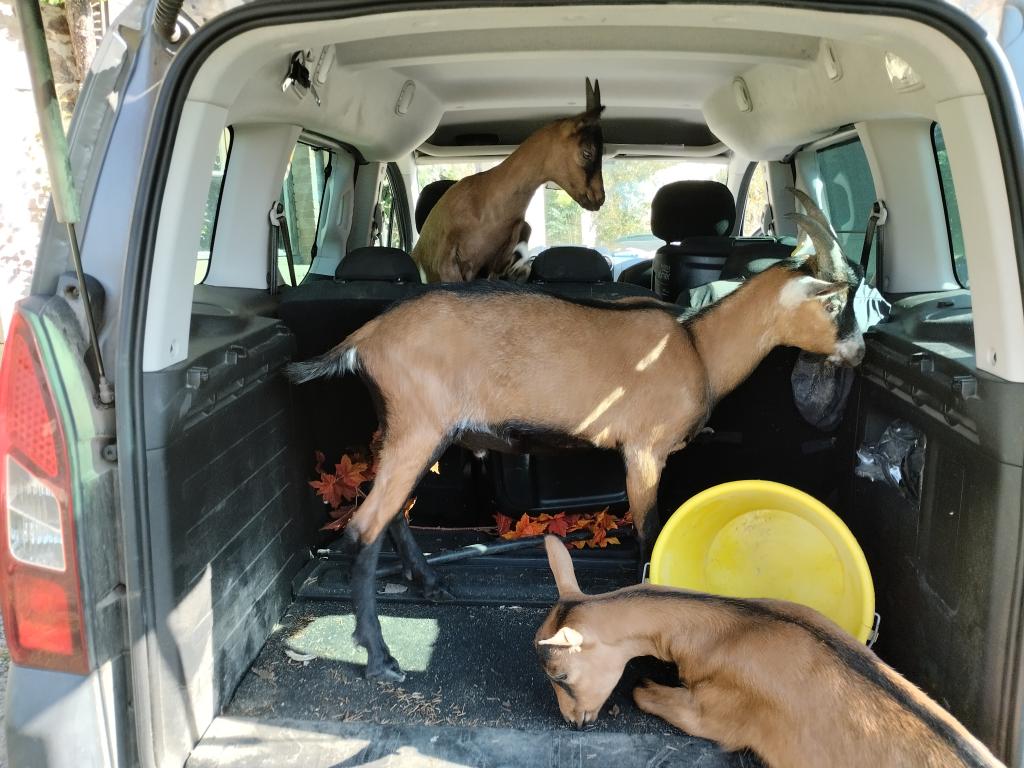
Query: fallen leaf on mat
[304,658]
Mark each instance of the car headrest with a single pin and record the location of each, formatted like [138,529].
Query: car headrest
[428,198]
[692,209]
[570,264]
[378,263]
[751,257]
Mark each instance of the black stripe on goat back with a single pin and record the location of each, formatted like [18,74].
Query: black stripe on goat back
[858,660]
[487,288]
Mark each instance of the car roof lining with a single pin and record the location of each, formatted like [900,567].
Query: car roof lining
[666,74]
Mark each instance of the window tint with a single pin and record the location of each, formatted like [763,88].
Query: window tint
[849,194]
[756,203]
[220,163]
[956,233]
[393,230]
[302,196]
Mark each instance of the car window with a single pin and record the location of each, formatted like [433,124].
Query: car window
[622,228]
[849,193]
[302,195]
[755,203]
[206,230]
[956,233]
[393,231]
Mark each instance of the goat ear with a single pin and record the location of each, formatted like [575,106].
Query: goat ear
[561,566]
[828,290]
[566,637]
[806,288]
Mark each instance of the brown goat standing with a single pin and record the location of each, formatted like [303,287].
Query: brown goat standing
[768,675]
[474,229]
[628,375]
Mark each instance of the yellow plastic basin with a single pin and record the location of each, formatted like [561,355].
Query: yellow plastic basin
[754,538]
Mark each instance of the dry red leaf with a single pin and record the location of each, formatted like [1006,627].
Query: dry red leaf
[341,517]
[504,523]
[558,525]
[348,483]
[327,489]
[562,524]
[350,475]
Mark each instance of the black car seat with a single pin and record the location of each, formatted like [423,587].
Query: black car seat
[428,198]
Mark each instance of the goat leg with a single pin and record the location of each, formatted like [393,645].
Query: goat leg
[643,471]
[416,564]
[380,664]
[676,706]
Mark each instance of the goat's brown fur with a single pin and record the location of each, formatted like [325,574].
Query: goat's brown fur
[473,230]
[768,675]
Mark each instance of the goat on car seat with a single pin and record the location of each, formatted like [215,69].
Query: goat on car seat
[767,675]
[478,226]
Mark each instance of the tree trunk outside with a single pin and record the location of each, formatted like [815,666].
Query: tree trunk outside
[83,33]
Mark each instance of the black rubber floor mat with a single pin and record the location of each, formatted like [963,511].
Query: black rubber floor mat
[233,742]
[467,667]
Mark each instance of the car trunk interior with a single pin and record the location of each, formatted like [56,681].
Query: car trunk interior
[250,598]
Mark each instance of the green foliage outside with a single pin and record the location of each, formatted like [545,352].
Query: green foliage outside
[956,233]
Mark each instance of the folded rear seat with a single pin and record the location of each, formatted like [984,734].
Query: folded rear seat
[322,313]
[582,479]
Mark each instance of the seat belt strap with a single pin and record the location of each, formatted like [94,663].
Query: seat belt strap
[876,228]
[323,199]
[279,229]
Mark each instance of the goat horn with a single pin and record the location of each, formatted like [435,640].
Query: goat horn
[828,254]
[590,96]
[812,209]
[597,93]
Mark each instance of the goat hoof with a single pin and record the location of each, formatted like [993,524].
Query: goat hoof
[388,671]
[438,593]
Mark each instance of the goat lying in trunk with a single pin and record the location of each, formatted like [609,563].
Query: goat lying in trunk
[631,375]
[768,675]
[478,227]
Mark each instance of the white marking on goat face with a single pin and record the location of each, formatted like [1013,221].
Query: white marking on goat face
[653,355]
[603,406]
[850,350]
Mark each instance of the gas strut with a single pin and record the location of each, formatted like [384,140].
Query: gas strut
[55,145]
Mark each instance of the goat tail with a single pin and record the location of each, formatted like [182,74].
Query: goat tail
[336,362]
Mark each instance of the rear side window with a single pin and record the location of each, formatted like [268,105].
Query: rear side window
[220,164]
[756,203]
[956,233]
[393,230]
[849,194]
[302,194]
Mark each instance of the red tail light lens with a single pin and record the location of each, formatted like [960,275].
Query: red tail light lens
[41,595]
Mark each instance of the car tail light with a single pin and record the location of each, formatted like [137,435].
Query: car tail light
[41,595]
